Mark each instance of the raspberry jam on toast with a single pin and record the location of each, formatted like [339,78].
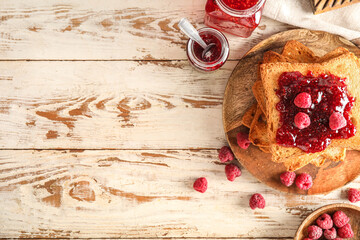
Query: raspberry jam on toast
[328,95]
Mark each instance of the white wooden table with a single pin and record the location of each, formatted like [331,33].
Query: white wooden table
[104,126]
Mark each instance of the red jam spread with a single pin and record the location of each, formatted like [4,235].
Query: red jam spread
[233,16]
[214,52]
[240,4]
[329,94]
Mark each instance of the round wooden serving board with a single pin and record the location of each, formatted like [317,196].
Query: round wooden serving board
[238,97]
[352,211]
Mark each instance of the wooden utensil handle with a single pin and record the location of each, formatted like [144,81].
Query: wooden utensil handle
[321,6]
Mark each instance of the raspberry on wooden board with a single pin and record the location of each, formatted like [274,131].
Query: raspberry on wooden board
[243,140]
[287,178]
[304,181]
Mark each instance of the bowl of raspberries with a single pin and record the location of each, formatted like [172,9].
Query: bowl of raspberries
[331,222]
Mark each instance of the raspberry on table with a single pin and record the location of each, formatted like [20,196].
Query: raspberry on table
[346,231]
[225,154]
[232,172]
[243,140]
[303,100]
[200,184]
[302,120]
[340,219]
[287,178]
[325,221]
[257,201]
[330,234]
[304,181]
[353,195]
[337,121]
[314,232]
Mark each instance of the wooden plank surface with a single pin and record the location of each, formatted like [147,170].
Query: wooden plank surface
[136,193]
[130,91]
[106,104]
[74,30]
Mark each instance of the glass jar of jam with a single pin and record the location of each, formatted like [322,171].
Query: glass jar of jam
[238,17]
[215,57]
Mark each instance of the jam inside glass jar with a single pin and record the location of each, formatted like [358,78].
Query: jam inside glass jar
[238,17]
[213,53]
[216,55]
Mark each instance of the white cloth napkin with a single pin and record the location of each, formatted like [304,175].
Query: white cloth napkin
[344,21]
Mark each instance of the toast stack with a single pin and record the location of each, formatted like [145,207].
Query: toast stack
[263,118]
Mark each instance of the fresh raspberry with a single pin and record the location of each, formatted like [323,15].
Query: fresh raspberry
[200,185]
[307,239]
[287,178]
[330,233]
[257,201]
[314,232]
[325,221]
[346,231]
[337,121]
[243,140]
[340,219]
[304,181]
[303,100]
[232,172]
[225,154]
[302,120]
[353,195]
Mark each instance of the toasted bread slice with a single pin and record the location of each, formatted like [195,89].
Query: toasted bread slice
[346,65]
[258,91]
[337,154]
[318,162]
[298,51]
[271,56]
[339,157]
[333,54]
[258,130]
[295,162]
[265,149]
[291,53]
[249,115]
[259,136]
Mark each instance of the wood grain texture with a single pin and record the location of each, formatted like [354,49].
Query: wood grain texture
[97,194]
[74,30]
[118,104]
[96,105]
